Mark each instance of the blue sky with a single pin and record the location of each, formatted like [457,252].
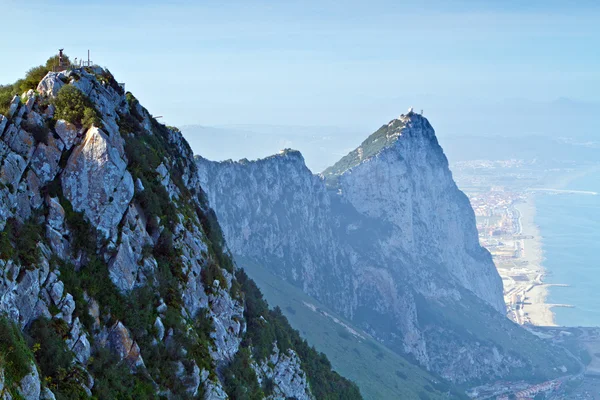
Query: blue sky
[318,63]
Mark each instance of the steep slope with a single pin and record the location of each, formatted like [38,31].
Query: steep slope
[400,175]
[115,281]
[379,372]
[385,238]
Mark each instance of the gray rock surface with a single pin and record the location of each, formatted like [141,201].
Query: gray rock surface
[30,385]
[74,179]
[285,372]
[67,133]
[97,182]
[384,237]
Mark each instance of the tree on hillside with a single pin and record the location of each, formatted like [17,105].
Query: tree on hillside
[53,62]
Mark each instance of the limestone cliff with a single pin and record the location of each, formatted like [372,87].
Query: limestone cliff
[113,266]
[386,238]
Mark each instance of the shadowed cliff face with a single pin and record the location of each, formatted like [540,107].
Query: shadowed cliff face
[384,237]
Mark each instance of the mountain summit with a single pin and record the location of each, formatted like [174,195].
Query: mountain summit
[386,136]
[400,175]
[385,238]
[115,280]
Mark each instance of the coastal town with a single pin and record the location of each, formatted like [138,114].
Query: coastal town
[506,229]
[502,194]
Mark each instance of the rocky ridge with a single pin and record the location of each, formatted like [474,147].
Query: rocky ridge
[107,257]
[385,238]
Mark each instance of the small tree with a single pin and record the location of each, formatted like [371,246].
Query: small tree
[74,107]
[53,62]
[32,78]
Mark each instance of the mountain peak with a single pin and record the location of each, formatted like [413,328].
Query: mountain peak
[406,125]
[101,210]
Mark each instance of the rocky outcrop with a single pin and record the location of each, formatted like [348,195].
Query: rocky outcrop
[268,201]
[96,181]
[408,185]
[285,375]
[137,270]
[384,237]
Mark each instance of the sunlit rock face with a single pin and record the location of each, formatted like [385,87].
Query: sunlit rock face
[65,173]
[384,236]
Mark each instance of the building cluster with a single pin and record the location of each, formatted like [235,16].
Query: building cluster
[511,390]
[493,211]
[491,164]
[532,391]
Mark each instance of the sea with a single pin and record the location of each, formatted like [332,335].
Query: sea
[570,227]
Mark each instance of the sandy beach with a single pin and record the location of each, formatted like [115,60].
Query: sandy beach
[534,307]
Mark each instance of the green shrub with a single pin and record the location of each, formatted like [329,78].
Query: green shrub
[15,356]
[240,378]
[55,359]
[209,274]
[265,326]
[7,250]
[53,353]
[114,380]
[32,78]
[19,241]
[30,81]
[53,62]
[90,117]
[7,92]
[75,107]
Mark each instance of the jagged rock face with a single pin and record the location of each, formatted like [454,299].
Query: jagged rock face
[408,184]
[97,182]
[286,375]
[384,237]
[268,201]
[92,172]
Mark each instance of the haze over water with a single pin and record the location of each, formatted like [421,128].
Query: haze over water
[570,227]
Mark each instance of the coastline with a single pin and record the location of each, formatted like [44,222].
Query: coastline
[534,309]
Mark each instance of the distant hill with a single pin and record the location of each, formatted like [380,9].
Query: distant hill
[544,149]
[563,130]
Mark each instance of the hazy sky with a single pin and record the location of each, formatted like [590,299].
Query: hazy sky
[317,62]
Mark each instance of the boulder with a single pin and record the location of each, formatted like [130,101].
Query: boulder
[33,190]
[67,133]
[20,141]
[214,391]
[160,328]
[56,214]
[30,100]
[47,394]
[44,161]
[12,169]
[14,106]
[30,385]
[56,292]
[50,85]
[3,123]
[122,344]
[67,307]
